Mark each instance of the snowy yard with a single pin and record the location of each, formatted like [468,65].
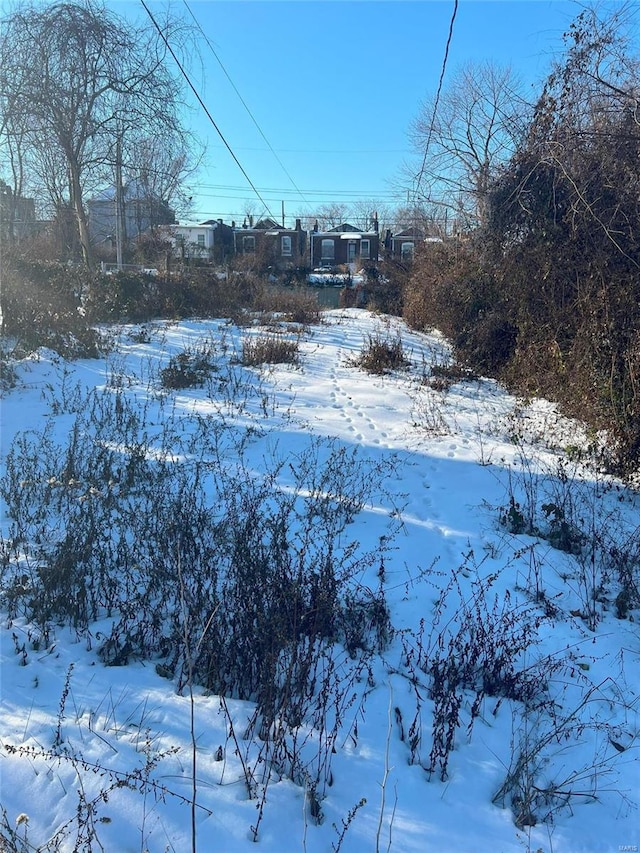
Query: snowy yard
[479,691]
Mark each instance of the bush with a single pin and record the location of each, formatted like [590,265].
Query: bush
[453,290]
[270,349]
[188,368]
[235,583]
[126,297]
[476,646]
[292,304]
[424,308]
[381,355]
[8,376]
[386,286]
[43,306]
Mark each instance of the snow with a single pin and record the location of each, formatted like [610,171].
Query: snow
[324,278]
[74,731]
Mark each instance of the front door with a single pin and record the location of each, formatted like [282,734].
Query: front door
[351,251]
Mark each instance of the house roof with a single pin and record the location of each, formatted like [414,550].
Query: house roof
[346,232]
[410,233]
[343,227]
[266,224]
[205,226]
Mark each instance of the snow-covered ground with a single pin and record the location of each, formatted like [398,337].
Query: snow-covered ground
[326,278]
[102,757]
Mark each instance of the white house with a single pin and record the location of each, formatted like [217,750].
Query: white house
[210,241]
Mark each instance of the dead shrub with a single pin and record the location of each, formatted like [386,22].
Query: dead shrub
[381,355]
[271,348]
[295,305]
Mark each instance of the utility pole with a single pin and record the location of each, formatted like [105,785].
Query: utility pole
[2,194]
[119,204]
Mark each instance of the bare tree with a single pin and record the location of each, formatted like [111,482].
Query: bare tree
[361,214]
[12,164]
[252,212]
[432,220]
[464,138]
[156,169]
[81,78]
[364,214]
[331,215]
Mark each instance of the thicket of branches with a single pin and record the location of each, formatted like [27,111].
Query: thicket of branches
[59,307]
[546,294]
[87,101]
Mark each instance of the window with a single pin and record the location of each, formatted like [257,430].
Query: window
[286,247]
[406,251]
[328,252]
[201,241]
[248,244]
[365,249]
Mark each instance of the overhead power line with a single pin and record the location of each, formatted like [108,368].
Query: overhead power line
[373,195]
[331,151]
[437,100]
[204,106]
[244,104]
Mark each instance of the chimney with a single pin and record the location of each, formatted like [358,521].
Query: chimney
[375,222]
[298,225]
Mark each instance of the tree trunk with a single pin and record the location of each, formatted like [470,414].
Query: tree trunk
[81,217]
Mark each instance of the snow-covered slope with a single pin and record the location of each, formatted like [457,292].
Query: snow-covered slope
[506,560]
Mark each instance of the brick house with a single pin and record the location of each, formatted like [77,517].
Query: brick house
[344,245]
[271,245]
[402,246]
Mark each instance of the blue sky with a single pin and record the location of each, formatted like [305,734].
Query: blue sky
[334,86]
